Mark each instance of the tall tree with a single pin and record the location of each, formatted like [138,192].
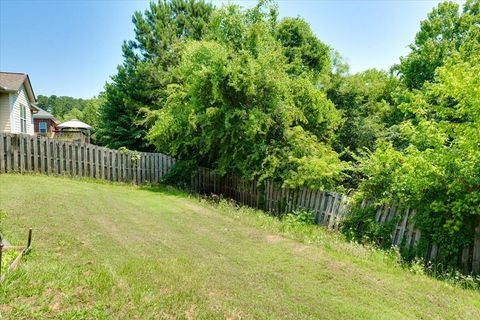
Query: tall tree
[304,51]
[440,35]
[237,107]
[141,80]
[436,169]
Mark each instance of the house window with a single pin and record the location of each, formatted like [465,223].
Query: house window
[23,119]
[42,127]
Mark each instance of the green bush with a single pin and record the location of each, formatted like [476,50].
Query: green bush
[181,174]
[304,217]
[360,226]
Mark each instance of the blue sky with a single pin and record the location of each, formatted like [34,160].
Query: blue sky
[73,47]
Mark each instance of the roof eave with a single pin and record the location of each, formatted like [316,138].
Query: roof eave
[31,92]
[5,89]
[34,108]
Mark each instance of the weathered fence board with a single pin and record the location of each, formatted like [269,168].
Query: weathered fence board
[330,209]
[25,153]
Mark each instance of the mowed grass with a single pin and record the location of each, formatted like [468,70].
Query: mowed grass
[105,251]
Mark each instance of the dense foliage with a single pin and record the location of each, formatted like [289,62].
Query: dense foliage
[438,170]
[243,92]
[433,165]
[366,100]
[442,34]
[141,81]
[243,105]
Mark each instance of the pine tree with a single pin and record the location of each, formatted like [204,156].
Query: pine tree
[141,80]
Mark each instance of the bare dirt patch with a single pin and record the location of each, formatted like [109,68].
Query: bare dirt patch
[56,299]
[190,313]
[295,246]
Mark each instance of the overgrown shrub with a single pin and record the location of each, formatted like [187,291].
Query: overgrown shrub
[360,226]
[181,173]
[240,106]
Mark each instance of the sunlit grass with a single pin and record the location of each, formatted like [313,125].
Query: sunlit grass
[103,251]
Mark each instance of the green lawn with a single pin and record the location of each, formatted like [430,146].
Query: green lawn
[103,251]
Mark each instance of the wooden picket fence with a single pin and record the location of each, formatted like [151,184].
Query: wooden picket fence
[26,153]
[330,208]
[406,234]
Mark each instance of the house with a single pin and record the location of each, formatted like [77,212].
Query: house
[44,123]
[17,103]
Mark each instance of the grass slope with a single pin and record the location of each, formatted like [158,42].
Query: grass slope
[105,251]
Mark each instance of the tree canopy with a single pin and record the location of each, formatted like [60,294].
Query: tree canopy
[436,167]
[244,104]
[444,31]
[141,81]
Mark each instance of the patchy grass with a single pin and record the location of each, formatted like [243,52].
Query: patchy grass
[7,258]
[103,251]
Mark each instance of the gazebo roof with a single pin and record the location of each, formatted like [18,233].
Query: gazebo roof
[74,124]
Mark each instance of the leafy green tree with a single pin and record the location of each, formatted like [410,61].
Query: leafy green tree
[141,81]
[440,35]
[74,114]
[367,101]
[91,111]
[236,105]
[304,51]
[429,157]
[61,106]
[438,172]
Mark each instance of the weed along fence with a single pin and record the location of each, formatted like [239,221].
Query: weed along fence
[404,231]
[25,153]
[330,209]
[405,234]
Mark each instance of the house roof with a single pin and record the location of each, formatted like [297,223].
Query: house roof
[42,114]
[12,81]
[74,124]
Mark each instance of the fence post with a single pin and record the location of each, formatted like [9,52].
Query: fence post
[476,249]
[15,153]
[2,155]
[91,150]
[28,154]
[35,144]
[55,157]
[48,161]
[29,241]
[8,153]
[139,169]
[114,165]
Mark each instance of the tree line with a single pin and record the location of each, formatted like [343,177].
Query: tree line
[65,108]
[244,92]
